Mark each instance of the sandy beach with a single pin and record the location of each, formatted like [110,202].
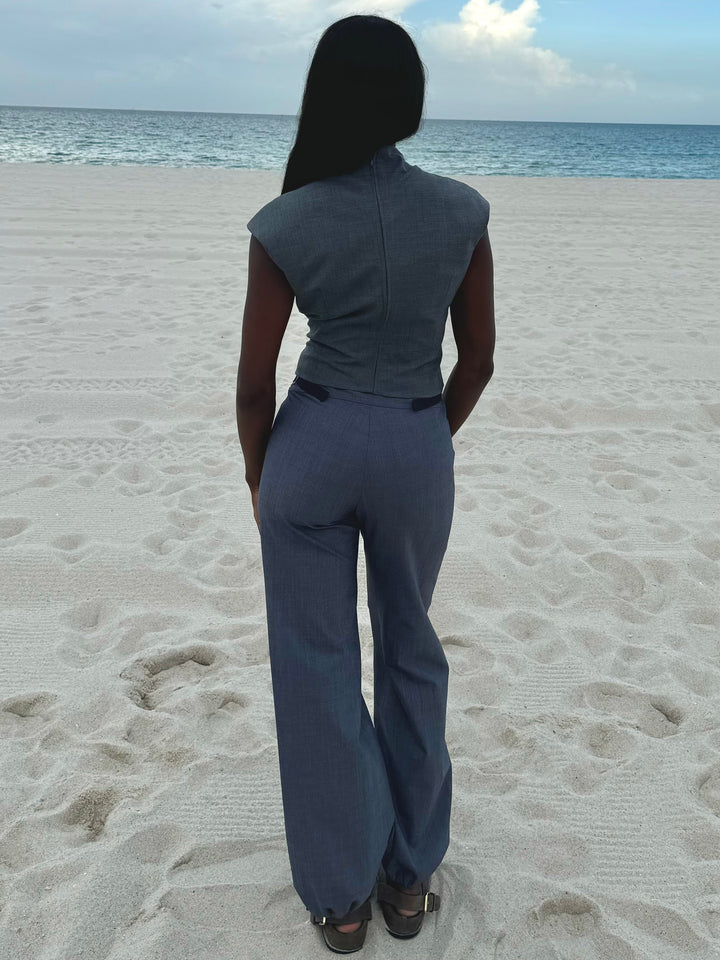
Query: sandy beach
[140,806]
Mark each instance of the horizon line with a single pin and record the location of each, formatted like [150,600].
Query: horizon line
[230,113]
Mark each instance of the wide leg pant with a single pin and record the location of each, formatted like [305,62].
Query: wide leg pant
[357,794]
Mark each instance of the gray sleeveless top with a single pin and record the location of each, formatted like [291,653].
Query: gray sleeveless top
[374,258]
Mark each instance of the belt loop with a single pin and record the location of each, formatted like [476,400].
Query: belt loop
[419,403]
[316,389]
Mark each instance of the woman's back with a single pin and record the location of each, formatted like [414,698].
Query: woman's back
[375,258]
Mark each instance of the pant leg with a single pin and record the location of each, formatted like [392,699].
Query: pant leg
[406,517]
[336,799]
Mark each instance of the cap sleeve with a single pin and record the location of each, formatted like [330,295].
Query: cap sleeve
[480,215]
[266,227]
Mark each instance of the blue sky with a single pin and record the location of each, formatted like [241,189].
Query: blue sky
[637,61]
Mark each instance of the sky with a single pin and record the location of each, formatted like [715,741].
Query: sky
[608,61]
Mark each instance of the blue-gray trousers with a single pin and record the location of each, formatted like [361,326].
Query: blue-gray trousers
[357,795]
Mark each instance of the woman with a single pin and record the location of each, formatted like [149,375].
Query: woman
[375,251]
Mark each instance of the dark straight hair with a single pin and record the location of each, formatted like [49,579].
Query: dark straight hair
[365,89]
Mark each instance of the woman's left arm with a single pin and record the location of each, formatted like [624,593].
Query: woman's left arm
[268,305]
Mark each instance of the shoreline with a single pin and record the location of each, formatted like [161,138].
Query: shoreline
[279,171]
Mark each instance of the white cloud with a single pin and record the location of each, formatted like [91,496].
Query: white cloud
[499,44]
[484,18]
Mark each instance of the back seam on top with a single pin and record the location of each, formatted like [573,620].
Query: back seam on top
[387,278]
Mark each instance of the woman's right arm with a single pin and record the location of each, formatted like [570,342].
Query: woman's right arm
[472,313]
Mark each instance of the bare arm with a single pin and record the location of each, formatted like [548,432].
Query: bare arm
[268,305]
[472,313]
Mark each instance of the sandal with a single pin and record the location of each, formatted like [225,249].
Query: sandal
[390,896]
[338,941]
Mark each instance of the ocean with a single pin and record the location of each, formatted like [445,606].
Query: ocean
[450,147]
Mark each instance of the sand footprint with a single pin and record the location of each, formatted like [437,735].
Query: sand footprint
[607,741]
[577,545]
[664,924]
[665,530]
[708,789]
[87,814]
[70,541]
[503,528]
[69,546]
[621,482]
[177,485]
[530,546]
[567,915]
[682,460]
[166,676]
[163,542]
[528,627]
[22,714]
[623,577]
[138,479]
[574,924]
[12,527]
[40,837]
[541,507]
[90,621]
[229,570]
[654,716]
[609,527]
[704,617]
[708,546]
[188,520]
[127,426]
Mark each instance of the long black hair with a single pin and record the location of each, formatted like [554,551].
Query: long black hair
[365,89]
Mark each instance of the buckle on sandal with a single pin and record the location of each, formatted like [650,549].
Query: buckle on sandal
[433,904]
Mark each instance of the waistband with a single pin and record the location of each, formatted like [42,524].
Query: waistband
[322,392]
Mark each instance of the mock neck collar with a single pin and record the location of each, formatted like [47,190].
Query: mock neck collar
[386,155]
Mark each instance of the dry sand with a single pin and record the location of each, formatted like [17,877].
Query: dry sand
[140,808]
